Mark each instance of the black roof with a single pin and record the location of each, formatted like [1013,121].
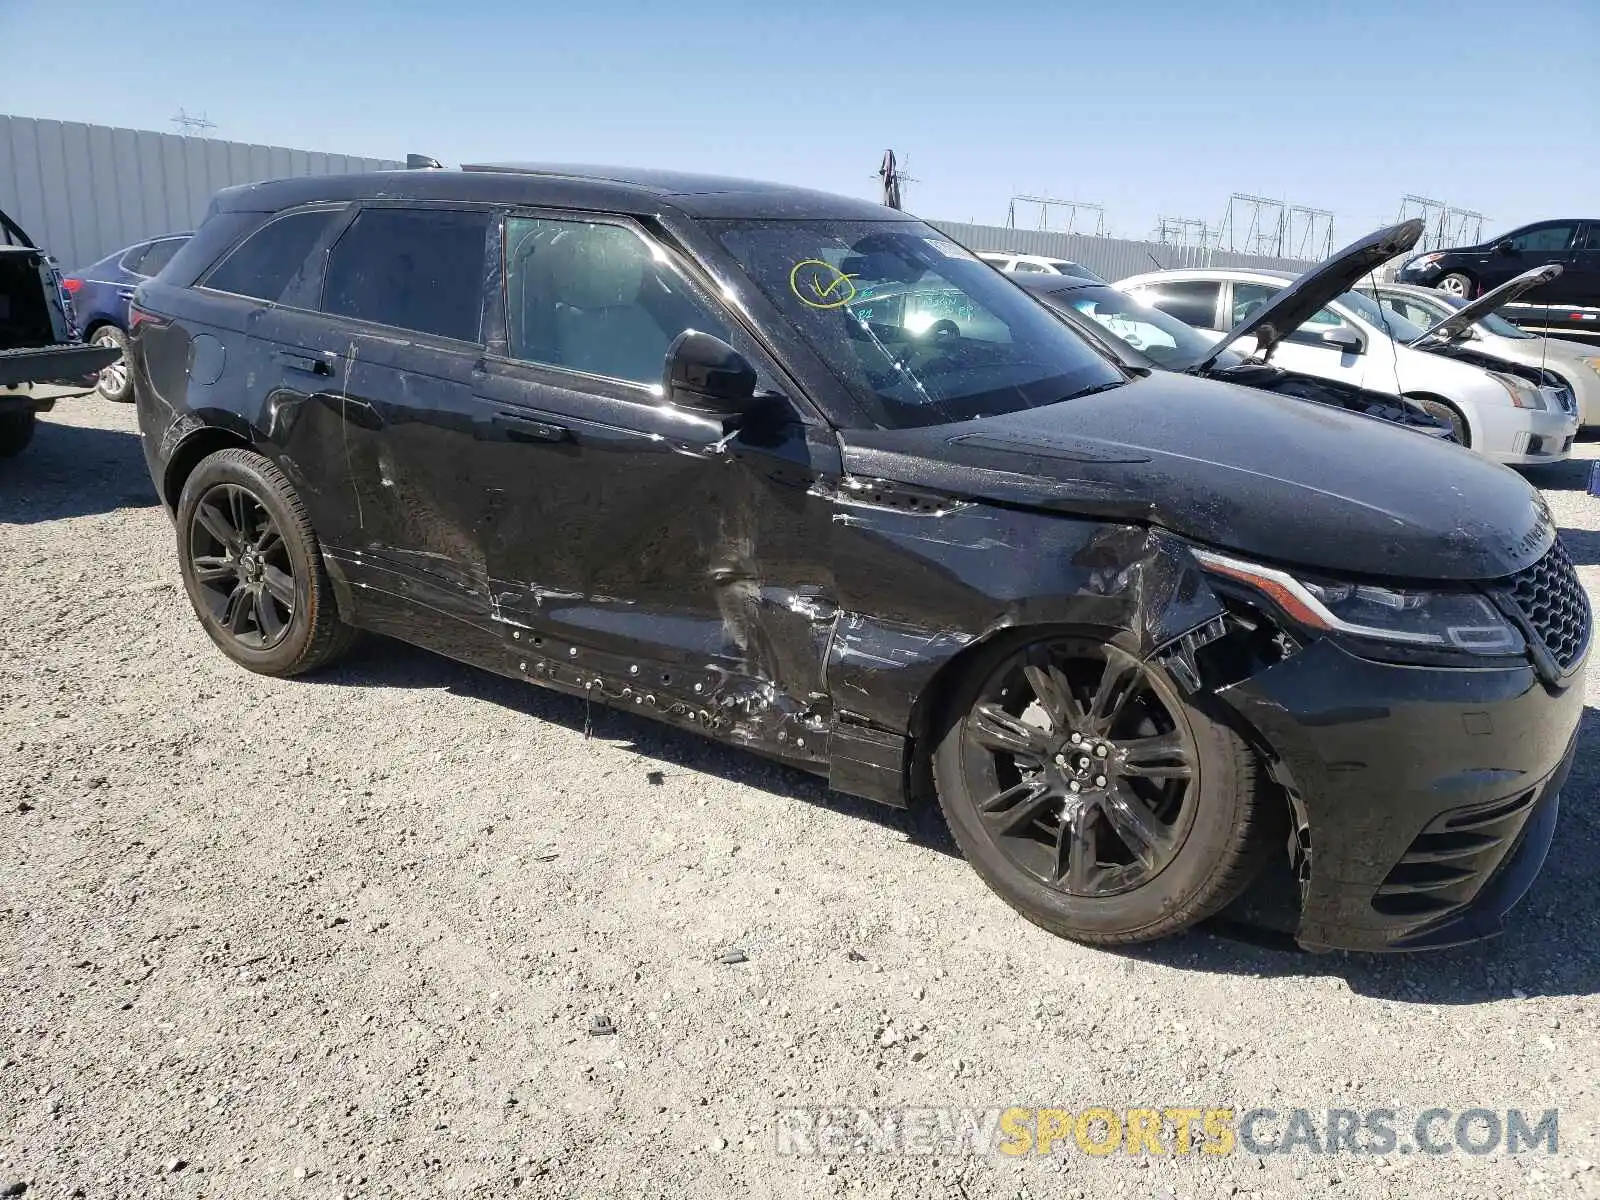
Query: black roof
[606,189]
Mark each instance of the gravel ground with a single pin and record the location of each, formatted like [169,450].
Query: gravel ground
[346,936]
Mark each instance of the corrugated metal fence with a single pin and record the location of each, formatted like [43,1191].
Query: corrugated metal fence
[1110,258]
[82,191]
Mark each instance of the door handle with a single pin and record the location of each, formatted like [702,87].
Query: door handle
[303,362]
[526,429]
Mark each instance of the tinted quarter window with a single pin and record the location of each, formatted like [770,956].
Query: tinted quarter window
[263,265]
[1192,301]
[594,298]
[159,255]
[418,269]
[131,260]
[1546,237]
[1591,239]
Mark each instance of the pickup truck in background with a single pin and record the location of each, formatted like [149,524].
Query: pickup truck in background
[39,341]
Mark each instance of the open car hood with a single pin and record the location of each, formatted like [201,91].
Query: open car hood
[1290,308]
[1485,304]
[12,234]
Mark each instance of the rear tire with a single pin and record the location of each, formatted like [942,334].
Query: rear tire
[16,431]
[1448,413]
[1457,283]
[253,569]
[115,383]
[1092,796]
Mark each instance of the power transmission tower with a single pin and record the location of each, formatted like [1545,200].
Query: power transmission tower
[1309,232]
[1185,231]
[190,126]
[1073,207]
[1432,213]
[1463,226]
[1265,222]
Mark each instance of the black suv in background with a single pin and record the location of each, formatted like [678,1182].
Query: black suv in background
[799,473]
[1472,270]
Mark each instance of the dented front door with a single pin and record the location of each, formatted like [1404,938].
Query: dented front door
[643,553]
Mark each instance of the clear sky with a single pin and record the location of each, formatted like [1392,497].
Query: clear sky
[1149,108]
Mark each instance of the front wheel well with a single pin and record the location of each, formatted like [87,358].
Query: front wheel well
[190,453]
[1425,398]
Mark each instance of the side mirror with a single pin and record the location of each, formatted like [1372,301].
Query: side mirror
[1344,339]
[705,375]
[1503,246]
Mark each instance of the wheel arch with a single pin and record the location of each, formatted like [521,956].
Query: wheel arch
[1474,430]
[190,452]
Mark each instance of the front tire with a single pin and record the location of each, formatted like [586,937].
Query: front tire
[1458,284]
[16,431]
[116,381]
[252,566]
[1095,799]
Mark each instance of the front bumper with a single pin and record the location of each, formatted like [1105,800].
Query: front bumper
[1428,794]
[1525,436]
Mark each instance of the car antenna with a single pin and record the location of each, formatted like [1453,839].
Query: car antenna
[1151,256]
[423,162]
[1388,331]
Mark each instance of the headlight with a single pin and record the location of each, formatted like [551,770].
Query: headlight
[1444,620]
[1422,262]
[1523,394]
[1593,364]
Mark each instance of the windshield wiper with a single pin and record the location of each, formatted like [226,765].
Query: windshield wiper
[1089,391]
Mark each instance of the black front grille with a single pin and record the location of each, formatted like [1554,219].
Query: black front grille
[1447,864]
[1553,601]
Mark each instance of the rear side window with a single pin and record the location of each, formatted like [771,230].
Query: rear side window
[264,264]
[159,255]
[418,269]
[1192,301]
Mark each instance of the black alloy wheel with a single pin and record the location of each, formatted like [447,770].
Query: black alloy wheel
[1092,796]
[253,567]
[242,566]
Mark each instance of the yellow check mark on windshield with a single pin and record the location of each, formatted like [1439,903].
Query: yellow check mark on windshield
[828,286]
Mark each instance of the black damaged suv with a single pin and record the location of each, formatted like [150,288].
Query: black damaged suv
[800,473]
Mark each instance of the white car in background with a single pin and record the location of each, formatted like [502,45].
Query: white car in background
[1506,415]
[1035,264]
[1577,363]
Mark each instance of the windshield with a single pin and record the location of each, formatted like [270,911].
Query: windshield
[1368,309]
[1493,322]
[918,329]
[1165,339]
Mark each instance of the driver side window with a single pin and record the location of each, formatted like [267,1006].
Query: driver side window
[595,297]
[1546,237]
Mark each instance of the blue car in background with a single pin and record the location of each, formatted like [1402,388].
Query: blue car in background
[100,295]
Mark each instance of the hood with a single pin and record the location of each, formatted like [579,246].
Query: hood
[1292,307]
[1485,304]
[1268,477]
